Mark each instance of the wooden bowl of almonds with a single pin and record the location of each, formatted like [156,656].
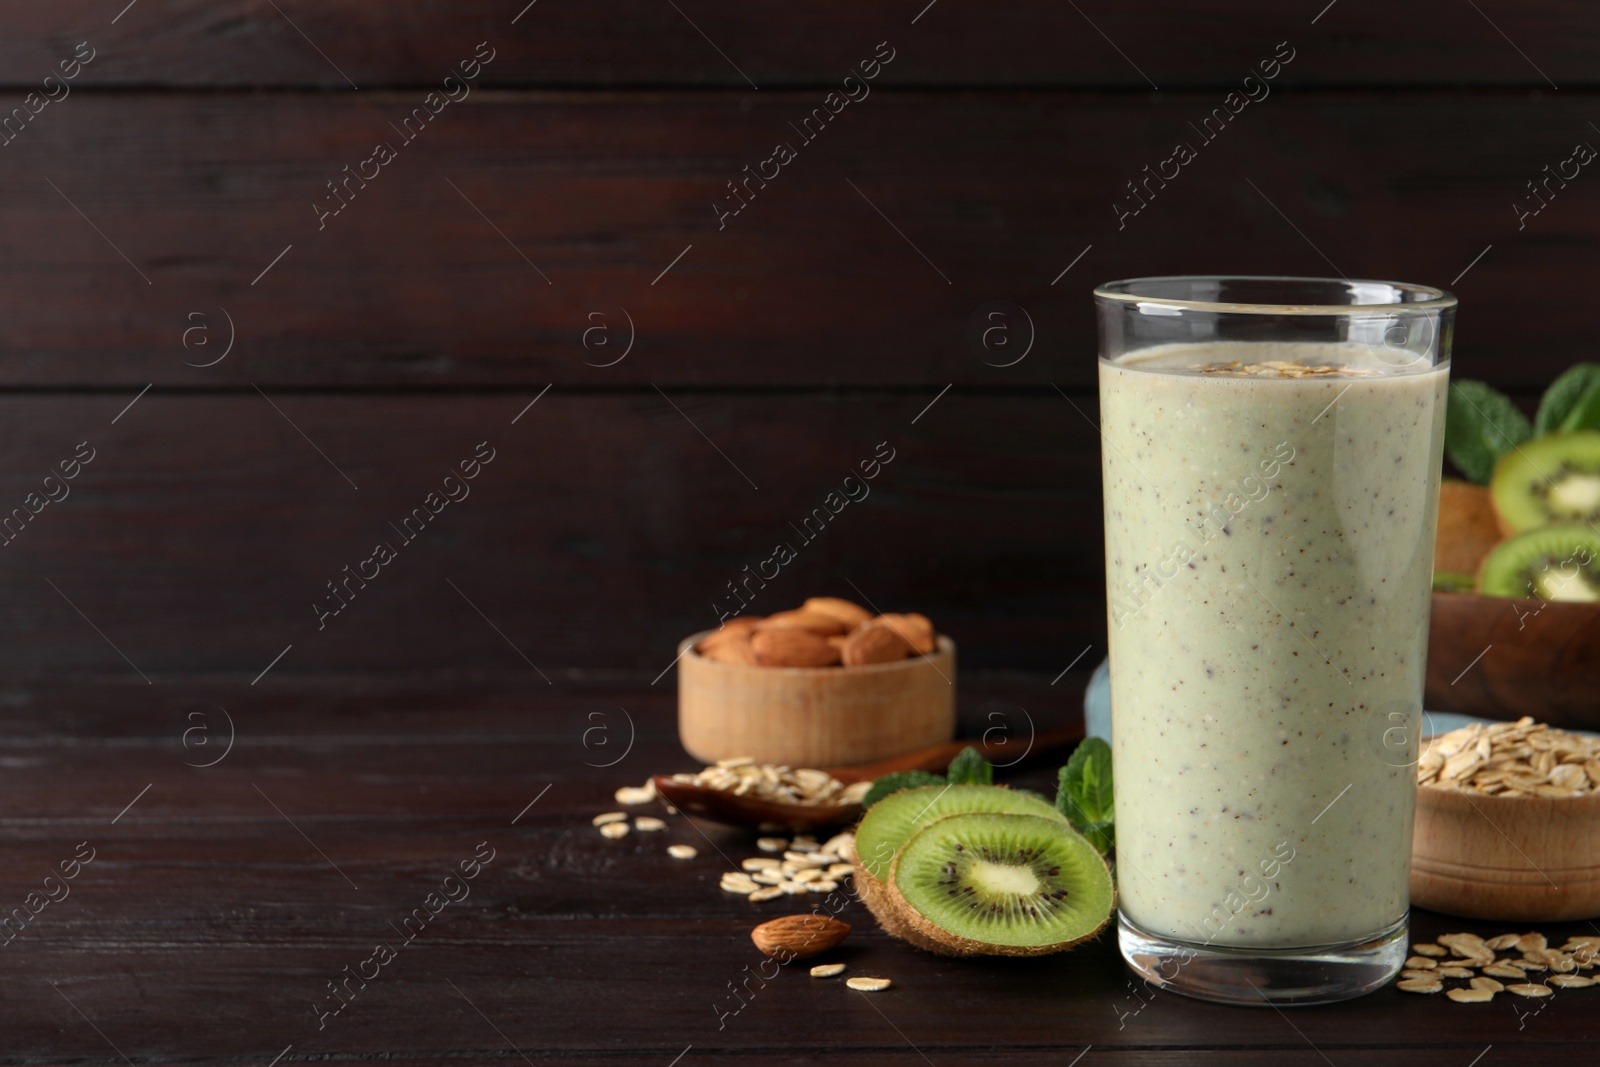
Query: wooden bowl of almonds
[1508,824]
[828,684]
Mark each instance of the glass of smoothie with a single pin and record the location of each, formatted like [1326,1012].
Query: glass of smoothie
[1271,454]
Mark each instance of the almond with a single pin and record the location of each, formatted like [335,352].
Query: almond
[787,646]
[729,646]
[875,642]
[814,621]
[838,641]
[852,615]
[798,937]
[916,629]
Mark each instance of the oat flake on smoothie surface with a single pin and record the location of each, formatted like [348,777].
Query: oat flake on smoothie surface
[1281,368]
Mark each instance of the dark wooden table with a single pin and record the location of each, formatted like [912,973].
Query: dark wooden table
[221,901]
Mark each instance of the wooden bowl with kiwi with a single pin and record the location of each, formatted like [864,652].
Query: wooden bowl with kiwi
[1516,607]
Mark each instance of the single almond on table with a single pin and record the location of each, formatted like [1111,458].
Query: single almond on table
[787,646]
[875,642]
[798,937]
[916,629]
[851,615]
[801,619]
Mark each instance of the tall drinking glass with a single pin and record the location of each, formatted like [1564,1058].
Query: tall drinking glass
[1271,454]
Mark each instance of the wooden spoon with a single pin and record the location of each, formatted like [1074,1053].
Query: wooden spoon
[722,806]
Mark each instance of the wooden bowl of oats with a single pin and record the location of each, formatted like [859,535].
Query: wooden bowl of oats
[1508,824]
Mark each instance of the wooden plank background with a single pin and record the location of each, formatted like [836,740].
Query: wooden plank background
[164,209]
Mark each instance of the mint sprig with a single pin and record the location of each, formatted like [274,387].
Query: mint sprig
[1481,425]
[1084,793]
[1572,402]
[969,768]
[893,783]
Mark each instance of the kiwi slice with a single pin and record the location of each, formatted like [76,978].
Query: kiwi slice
[1550,563]
[892,821]
[1453,582]
[1555,478]
[895,819]
[1000,885]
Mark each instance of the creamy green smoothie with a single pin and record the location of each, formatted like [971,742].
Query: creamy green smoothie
[1270,515]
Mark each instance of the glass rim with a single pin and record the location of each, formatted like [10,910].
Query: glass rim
[1434,299]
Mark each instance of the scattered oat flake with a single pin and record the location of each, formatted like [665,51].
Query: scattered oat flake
[771,844]
[1421,963]
[614,830]
[610,816]
[1528,990]
[827,970]
[682,852]
[1454,972]
[1432,950]
[868,985]
[1420,985]
[1569,981]
[646,825]
[1471,995]
[1486,983]
[636,794]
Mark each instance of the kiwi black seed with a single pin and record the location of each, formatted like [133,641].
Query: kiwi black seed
[1550,563]
[1555,478]
[1001,884]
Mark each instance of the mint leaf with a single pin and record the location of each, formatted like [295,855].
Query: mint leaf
[969,768]
[1084,793]
[893,783]
[1481,424]
[1572,402]
[1584,416]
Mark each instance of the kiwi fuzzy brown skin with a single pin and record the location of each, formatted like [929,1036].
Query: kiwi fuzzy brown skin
[1468,527]
[875,895]
[901,919]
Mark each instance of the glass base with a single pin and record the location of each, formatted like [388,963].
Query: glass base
[1318,974]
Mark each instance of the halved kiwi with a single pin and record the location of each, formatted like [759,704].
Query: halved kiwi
[895,819]
[1000,885]
[1555,478]
[1551,563]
